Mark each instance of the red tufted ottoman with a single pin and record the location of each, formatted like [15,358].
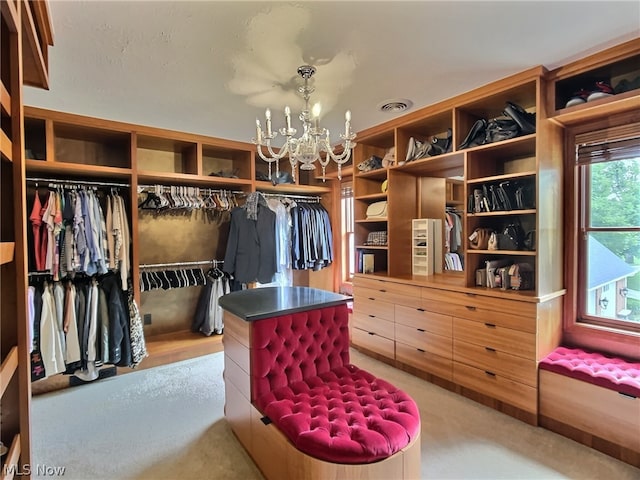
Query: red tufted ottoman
[303,382]
[595,394]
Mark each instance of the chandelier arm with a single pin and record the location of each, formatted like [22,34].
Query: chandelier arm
[281,154]
[343,157]
[273,156]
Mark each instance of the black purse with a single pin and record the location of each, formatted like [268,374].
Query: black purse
[502,128]
[476,135]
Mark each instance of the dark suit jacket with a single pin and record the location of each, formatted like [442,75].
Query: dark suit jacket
[251,247]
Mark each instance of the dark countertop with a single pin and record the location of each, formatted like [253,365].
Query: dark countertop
[258,303]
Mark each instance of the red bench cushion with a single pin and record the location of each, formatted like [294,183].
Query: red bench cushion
[608,372]
[344,416]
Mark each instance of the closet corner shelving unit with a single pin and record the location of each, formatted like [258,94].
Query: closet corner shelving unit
[449,317]
[74,147]
[26,35]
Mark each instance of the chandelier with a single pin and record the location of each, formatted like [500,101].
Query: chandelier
[313,145]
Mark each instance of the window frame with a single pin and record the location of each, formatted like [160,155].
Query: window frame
[347,232]
[601,336]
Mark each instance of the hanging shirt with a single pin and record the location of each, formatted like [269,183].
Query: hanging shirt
[50,346]
[70,326]
[48,221]
[36,225]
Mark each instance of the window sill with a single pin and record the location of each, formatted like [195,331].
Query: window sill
[603,339]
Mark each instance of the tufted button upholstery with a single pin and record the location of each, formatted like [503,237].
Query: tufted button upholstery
[608,372]
[332,410]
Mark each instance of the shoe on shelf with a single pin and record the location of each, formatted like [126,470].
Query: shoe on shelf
[578,98]
[602,90]
[625,85]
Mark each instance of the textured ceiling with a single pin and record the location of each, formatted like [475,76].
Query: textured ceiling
[212,67]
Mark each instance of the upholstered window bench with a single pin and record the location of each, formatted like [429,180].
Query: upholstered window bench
[596,396]
[295,402]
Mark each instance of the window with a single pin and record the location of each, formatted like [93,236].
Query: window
[607,173]
[348,247]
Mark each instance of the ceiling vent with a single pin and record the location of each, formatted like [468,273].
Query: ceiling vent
[395,105]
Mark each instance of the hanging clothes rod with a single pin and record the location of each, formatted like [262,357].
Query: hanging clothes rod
[293,197]
[142,188]
[181,264]
[76,182]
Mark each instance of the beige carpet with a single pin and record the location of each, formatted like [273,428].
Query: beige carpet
[168,423]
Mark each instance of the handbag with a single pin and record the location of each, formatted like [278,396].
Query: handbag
[479,239]
[512,237]
[501,128]
[376,238]
[521,276]
[526,121]
[377,209]
[476,135]
[493,241]
[372,163]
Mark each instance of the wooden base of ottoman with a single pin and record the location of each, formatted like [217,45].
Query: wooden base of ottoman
[278,459]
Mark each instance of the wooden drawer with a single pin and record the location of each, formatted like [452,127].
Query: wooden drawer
[373,342]
[425,361]
[515,342]
[379,326]
[425,320]
[235,374]
[236,351]
[502,318]
[237,410]
[391,292]
[234,325]
[516,368]
[496,386]
[427,341]
[436,297]
[370,306]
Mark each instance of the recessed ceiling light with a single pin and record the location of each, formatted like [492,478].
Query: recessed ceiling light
[395,105]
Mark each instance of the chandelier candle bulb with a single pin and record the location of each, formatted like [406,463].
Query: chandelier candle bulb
[287,114]
[258,132]
[316,115]
[267,114]
[347,123]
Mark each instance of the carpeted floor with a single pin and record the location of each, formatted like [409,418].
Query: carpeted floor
[168,423]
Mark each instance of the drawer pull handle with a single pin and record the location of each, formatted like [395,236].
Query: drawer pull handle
[371,333]
[383,290]
[421,330]
[491,374]
[469,307]
[371,316]
[371,298]
[627,395]
[420,309]
[489,349]
[420,350]
[490,325]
